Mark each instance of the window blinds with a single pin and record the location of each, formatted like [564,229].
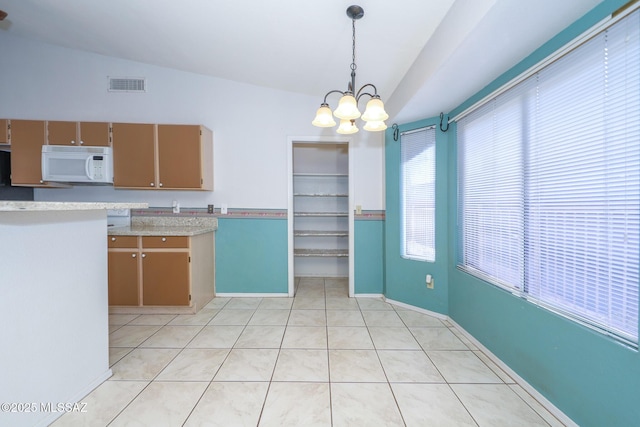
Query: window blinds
[549,184]
[417,178]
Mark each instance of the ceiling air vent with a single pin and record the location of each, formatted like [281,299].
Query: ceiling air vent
[124,84]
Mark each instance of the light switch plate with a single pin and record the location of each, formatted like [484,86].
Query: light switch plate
[223,209]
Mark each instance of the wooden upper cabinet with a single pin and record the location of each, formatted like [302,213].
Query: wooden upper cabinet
[27,139]
[185,157]
[94,133]
[74,133]
[133,155]
[62,133]
[4,131]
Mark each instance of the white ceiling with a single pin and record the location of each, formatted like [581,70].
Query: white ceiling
[424,56]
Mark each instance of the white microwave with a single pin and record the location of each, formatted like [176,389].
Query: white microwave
[77,164]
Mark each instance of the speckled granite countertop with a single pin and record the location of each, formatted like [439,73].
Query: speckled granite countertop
[13,206]
[166,226]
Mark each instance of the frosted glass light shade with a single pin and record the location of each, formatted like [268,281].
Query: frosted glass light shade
[375,111]
[347,108]
[324,118]
[376,126]
[347,127]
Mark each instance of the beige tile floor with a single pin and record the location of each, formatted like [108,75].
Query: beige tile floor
[319,359]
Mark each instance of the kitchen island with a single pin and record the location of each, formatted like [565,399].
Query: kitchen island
[53,305]
[162,265]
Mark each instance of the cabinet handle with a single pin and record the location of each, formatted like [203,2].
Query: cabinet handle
[81,142]
[73,142]
[160,185]
[164,239]
[133,255]
[152,184]
[113,239]
[144,255]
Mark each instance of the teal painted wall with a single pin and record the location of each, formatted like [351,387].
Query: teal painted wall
[369,257]
[251,255]
[590,377]
[404,278]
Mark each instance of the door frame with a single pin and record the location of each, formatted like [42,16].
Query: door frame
[290,218]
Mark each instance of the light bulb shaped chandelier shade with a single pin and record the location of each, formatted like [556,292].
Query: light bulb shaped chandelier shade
[347,110]
[324,117]
[372,126]
[347,127]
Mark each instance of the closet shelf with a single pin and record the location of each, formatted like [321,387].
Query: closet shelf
[336,175]
[321,252]
[324,214]
[321,233]
[320,195]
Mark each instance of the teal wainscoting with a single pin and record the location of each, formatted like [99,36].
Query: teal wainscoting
[369,256]
[251,255]
[405,278]
[590,377]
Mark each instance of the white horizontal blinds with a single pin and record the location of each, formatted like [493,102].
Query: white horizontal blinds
[576,123]
[417,177]
[584,184]
[492,189]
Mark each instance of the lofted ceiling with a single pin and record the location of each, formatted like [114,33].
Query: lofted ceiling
[424,56]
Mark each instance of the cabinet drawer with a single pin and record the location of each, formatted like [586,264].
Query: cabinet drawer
[123,241]
[165,242]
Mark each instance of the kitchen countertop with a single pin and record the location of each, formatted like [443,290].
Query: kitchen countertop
[14,206]
[165,226]
[160,230]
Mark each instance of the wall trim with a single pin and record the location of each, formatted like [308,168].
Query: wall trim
[553,410]
[418,309]
[372,215]
[369,296]
[231,213]
[250,295]
[546,403]
[78,397]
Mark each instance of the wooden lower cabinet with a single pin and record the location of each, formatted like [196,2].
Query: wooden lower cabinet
[123,278]
[165,278]
[161,274]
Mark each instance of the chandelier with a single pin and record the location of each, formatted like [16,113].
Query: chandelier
[347,111]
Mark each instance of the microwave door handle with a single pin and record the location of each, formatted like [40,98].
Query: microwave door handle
[87,167]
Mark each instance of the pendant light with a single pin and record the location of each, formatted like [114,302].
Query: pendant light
[347,111]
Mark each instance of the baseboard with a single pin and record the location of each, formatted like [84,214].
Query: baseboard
[517,378]
[250,295]
[77,398]
[369,296]
[418,309]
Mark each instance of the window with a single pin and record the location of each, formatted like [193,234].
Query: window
[417,181]
[549,184]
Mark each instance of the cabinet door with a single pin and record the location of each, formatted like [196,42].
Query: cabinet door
[27,139]
[165,278]
[4,131]
[94,133]
[62,133]
[179,156]
[123,278]
[133,155]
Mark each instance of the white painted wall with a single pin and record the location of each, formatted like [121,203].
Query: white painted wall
[53,310]
[250,124]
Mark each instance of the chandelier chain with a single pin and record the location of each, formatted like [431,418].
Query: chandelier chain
[353,45]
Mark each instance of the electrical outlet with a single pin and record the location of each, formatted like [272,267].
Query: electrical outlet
[223,209]
[358,209]
[429,280]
